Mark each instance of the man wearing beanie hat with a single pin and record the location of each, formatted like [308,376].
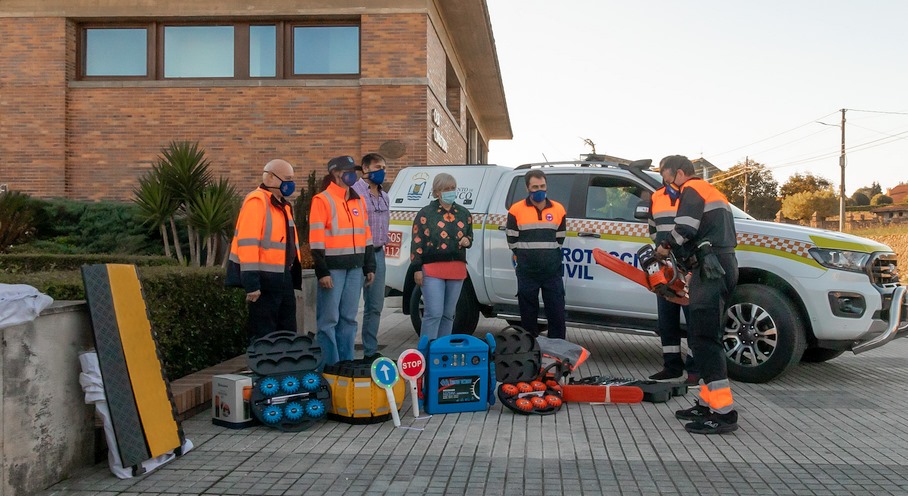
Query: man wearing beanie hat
[341,244]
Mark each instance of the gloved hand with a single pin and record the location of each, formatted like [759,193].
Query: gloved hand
[710,268]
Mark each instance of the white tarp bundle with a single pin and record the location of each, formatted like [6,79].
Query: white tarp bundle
[93,385]
[20,303]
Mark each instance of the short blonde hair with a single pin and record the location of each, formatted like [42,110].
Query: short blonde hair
[443,181]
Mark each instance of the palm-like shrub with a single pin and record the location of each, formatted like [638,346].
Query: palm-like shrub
[180,190]
[157,207]
[211,214]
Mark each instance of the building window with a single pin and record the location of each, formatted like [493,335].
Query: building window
[262,51]
[325,50]
[198,52]
[116,52]
[231,50]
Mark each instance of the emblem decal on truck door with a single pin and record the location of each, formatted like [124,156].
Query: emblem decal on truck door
[417,186]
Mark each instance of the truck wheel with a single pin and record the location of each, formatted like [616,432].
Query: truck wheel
[763,336]
[466,316]
[820,355]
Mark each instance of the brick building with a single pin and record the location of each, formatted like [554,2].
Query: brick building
[90,90]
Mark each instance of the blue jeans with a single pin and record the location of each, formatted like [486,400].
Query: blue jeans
[335,315]
[440,300]
[373,302]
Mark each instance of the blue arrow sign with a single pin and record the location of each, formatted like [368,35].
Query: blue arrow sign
[384,372]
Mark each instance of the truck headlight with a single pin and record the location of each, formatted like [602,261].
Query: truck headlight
[852,261]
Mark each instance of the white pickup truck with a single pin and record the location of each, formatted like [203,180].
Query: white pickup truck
[803,293]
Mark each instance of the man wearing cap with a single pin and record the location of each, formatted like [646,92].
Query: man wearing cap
[342,250]
[264,254]
[369,188]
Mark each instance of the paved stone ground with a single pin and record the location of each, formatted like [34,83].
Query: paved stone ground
[834,428]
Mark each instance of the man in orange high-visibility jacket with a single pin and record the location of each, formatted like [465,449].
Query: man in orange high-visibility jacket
[663,206]
[535,232]
[704,240]
[341,244]
[264,254]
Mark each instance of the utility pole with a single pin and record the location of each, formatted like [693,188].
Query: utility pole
[842,184]
[746,179]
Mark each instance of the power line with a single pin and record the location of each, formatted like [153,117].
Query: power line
[877,112]
[853,149]
[790,142]
[774,136]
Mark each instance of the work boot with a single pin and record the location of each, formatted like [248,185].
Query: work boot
[694,413]
[693,379]
[666,375]
[714,423]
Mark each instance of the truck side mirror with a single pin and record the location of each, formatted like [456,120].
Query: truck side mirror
[642,211]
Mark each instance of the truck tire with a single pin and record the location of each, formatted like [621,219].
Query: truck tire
[763,336]
[466,316]
[820,355]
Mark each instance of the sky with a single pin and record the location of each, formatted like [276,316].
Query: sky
[722,80]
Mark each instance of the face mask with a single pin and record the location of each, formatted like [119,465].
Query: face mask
[377,177]
[672,191]
[538,196]
[287,187]
[448,197]
[349,178]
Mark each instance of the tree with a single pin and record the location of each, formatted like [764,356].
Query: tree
[799,183]
[860,199]
[881,199]
[870,191]
[762,189]
[803,205]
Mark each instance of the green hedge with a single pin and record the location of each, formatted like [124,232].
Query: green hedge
[197,321]
[42,262]
[73,226]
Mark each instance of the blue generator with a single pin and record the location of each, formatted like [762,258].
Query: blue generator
[460,373]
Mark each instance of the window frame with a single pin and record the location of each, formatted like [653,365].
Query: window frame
[159,50]
[283,32]
[289,26]
[82,49]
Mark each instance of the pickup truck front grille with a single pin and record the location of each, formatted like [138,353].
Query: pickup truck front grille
[884,270]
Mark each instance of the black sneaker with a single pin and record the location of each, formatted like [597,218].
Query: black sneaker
[694,413]
[371,358]
[666,375]
[714,423]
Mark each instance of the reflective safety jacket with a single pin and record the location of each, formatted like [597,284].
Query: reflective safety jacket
[339,233]
[265,247]
[703,215]
[535,236]
[663,207]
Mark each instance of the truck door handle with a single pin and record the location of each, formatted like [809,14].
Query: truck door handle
[502,228]
[588,235]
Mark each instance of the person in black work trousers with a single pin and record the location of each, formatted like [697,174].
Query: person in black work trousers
[663,206]
[704,240]
[536,231]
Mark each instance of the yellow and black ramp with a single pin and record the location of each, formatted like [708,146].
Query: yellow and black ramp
[138,394]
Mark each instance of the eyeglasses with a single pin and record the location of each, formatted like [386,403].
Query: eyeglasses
[277,176]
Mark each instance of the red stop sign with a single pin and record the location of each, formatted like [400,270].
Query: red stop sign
[411,364]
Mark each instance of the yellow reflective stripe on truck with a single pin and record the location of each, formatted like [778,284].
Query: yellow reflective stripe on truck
[790,249]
